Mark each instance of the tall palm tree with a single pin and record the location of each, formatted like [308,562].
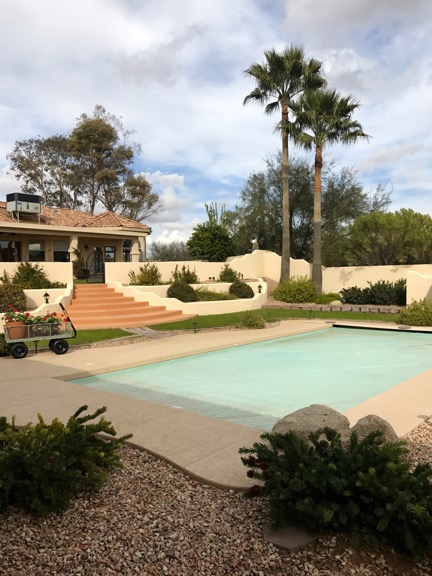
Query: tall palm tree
[323,117]
[279,81]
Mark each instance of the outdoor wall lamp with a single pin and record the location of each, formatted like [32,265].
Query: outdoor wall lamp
[47,297]
[195,327]
[259,288]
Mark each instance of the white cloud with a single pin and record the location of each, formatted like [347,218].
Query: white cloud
[174,72]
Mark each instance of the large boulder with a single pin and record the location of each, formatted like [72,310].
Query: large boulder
[313,418]
[371,423]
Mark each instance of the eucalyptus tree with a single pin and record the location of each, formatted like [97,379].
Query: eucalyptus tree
[323,117]
[280,80]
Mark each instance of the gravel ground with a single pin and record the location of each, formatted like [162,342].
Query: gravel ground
[150,518]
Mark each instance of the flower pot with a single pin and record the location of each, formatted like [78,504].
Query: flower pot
[16,330]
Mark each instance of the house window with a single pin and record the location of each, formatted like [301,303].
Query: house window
[109,253]
[10,251]
[37,251]
[61,251]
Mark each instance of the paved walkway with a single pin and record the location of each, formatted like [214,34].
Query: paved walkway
[204,447]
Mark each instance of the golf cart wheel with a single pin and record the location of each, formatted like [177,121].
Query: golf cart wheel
[59,346]
[18,350]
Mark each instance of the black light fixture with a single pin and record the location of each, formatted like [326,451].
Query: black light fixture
[47,297]
[259,288]
[195,327]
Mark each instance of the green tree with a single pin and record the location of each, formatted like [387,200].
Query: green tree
[210,241]
[259,212]
[323,118]
[279,81]
[403,237]
[90,167]
[43,165]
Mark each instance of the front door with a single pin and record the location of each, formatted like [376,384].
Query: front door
[95,268]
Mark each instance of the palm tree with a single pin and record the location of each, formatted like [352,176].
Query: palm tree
[279,81]
[323,117]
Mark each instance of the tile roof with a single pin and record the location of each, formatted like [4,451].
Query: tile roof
[66,217]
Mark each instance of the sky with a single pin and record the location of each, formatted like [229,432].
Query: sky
[173,70]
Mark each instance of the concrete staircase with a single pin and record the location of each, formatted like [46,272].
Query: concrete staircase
[97,306]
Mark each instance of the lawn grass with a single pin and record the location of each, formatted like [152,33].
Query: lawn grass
[269,314]
[87,337]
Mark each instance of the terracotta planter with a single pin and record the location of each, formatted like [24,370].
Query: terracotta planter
[16,330]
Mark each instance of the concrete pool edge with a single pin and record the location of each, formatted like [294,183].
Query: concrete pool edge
[204,448]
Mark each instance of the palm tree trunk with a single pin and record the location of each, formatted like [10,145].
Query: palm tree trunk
[286,248]
[317,243]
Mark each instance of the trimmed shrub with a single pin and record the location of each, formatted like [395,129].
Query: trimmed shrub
[182,291]
[148,275]
[42,466]
[241,289]
[4,350]
[382,293]
[366,487]
[184,275]
[206,295]
[227,274]
[30,276]
[296,290]
[14,295]
[327,298]
[355,295]
[418,313]
[251,319]
[79,269]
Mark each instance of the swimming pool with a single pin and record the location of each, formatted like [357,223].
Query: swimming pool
[256,384]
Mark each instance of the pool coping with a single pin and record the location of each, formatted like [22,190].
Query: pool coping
[203,447]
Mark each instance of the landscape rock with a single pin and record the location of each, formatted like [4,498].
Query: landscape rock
[313,418]
[372,422]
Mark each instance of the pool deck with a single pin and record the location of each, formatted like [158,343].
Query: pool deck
[203,447]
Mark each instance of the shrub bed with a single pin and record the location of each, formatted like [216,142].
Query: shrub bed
[43,466]
[382,293]
[296,290]
[366,487]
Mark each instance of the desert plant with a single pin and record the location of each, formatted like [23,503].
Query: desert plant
[184,275]
[182,291]
[148,275]
[418,313]
[241,289]
[251,319]
[227,274]
[366,487]
[12,295]
[206,295]
[296,290]
[42,466]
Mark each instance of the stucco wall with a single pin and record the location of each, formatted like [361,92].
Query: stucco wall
[156,296]
[55,271]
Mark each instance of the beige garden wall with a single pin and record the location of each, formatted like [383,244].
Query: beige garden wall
[156,296]
[55,271]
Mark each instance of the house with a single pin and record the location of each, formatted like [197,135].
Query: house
[30,232]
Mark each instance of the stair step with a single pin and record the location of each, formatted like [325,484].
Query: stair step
[98,306]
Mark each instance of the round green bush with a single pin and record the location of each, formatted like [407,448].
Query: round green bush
[14,295]
[251,319]
[296,290]
[241,289]
[418,313]
[182,291]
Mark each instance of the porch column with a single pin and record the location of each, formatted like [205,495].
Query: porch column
[142,240]
[73,247]
[135,250]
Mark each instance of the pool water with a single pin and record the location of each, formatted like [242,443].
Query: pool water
[259,383]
